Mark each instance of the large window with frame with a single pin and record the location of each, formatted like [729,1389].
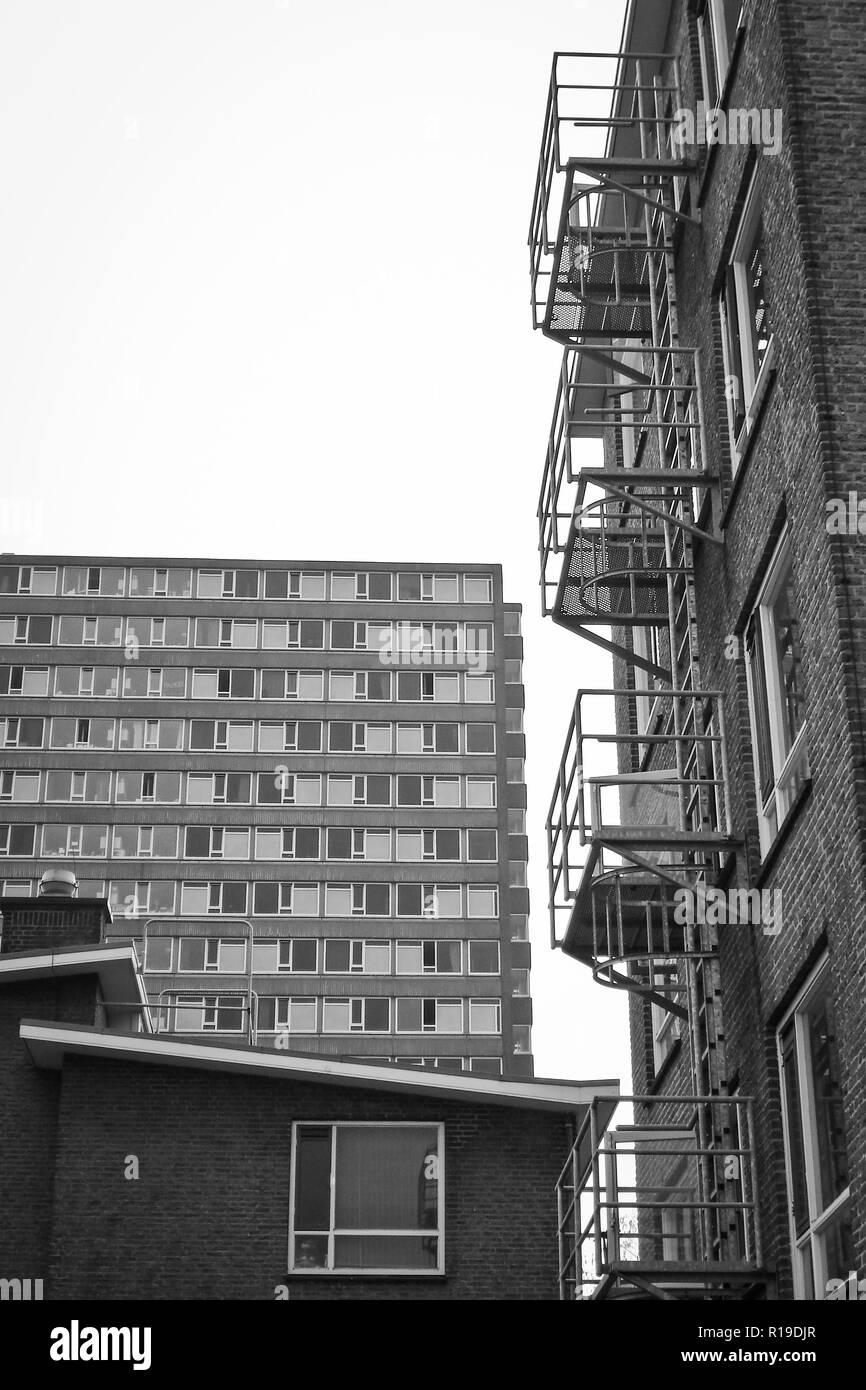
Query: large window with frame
[367,1198]
[746,319]
[774,665]
[718,22]
[816,1151]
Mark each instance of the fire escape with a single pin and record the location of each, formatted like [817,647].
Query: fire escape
[639,824]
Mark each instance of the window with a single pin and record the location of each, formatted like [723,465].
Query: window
[290,736]
[153,632]
[22,733]
[286,899]
[201,899]
[481,792]
[290,842]
[373,585]
[75,786]
[217,842]
[417,1015]
[514,720]
[478,588]
[428,588]
[360,685]
[83,841]
[428,738]
[483,957]
[145,582]
[218,788]
[293,685]
[105,581]
[157,788]
[482,900]
[27,680]
[300,584]
[282,1015]
[221,735]
[227,683]
[24,579]
[204,1013]
[513,671]
[511,619]
[347,843]
[90,682]
[479,690]
[141,897]
[357,900]
[357,957]
[144,842]
[666,1026]
[297,955]
[416,845]
[433,900]
[485,1016]
[224,955]
[717,32]
[429,957]
[154,682]
[163,734]
[82,733]
[367,1197]
[480,738]
[226,632]
[360,789]
[746,318]
[482,846]
[816,1150]
[33,630]
[516,820]
[242,583]
[17,841]
[159,954]
[427,791]
[774,665]
[282,788]
[347,737]
[428,686]
[366,1015]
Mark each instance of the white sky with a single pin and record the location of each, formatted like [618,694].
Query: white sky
[265,294]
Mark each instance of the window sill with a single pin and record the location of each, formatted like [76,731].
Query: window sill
[373,1276]
[783,834]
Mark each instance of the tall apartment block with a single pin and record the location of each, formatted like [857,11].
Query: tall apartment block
[301,790]
[696,259]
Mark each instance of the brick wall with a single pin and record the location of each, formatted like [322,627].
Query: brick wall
[208,1216]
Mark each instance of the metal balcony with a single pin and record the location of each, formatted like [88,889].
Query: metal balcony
[623,840]
[608,192]
[646,409]
[665,1208]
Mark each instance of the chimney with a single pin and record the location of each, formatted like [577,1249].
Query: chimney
[57,917]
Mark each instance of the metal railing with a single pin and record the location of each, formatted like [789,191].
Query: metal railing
[655,1207]
[664,806]
[647,409]
[600,127]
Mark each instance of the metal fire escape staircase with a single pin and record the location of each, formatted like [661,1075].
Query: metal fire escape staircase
[616,541]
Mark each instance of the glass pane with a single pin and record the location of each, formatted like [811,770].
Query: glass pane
[313,1179]
[833,1173]
[158,953]
[786,628]
[385,1252]
[383,1178]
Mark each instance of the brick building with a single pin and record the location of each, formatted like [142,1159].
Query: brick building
[696,255]
[301,789]
[135,1165]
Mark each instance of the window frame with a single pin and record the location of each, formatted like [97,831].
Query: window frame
[330,1268]
[809,1248]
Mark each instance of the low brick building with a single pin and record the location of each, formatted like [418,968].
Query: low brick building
[144,1166]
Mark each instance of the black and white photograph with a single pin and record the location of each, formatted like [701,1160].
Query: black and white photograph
[433,672]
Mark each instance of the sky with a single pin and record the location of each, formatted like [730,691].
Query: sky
[265,294]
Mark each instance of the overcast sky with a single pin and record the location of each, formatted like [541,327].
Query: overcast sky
[265,294]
